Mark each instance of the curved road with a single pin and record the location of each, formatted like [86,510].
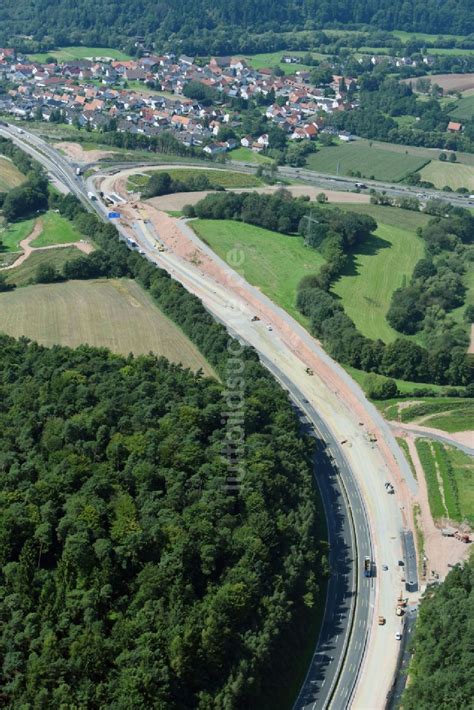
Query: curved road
[332,677]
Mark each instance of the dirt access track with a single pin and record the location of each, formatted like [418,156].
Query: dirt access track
[27,249]
[76,152]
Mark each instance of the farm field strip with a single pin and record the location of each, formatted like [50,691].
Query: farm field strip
[449,475]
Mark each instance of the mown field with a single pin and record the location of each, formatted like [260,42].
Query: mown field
[13,234]
[10,176]
[113,313]
[26,272]
[269,60]
[56,230]
[450,414]
[369,161]
[66,54]
[449,475]
[416,151]
[391,216]
[382,264]
[272,261]
[453,175]
[221,178]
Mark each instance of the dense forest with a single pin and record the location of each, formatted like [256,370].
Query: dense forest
[441,669]
[111,24]
[132,577]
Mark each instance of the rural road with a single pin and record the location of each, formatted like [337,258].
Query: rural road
[363,466]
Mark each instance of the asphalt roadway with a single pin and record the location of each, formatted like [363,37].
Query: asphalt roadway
[335,664]
[332,677]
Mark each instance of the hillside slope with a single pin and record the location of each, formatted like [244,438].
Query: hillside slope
[100,21]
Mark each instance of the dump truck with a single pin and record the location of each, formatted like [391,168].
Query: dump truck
[309,371]
[381,620]
[367,566]
[463,537]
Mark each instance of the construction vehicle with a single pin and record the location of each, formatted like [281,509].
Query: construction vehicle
[367,567]
[381,620]
[401,605]
[389,488]
[463,537]
[309,371]
[448,532]
[372,437]
[254,318]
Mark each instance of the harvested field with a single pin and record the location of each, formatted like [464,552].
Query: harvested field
[10,176]
[450,174]
[448,82]
[113,313]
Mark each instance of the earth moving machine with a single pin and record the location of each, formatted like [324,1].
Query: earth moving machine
[464,537]
[401,605]
[309,371]
[381,620]
[367,567]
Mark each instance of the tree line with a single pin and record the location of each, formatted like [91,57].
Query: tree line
[31,196]
[219,26]
[279,211]
[161,183]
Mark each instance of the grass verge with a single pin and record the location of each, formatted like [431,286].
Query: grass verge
[56,230]
[404,447]
[420,540]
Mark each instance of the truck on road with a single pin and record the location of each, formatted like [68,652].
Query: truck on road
[367,566]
